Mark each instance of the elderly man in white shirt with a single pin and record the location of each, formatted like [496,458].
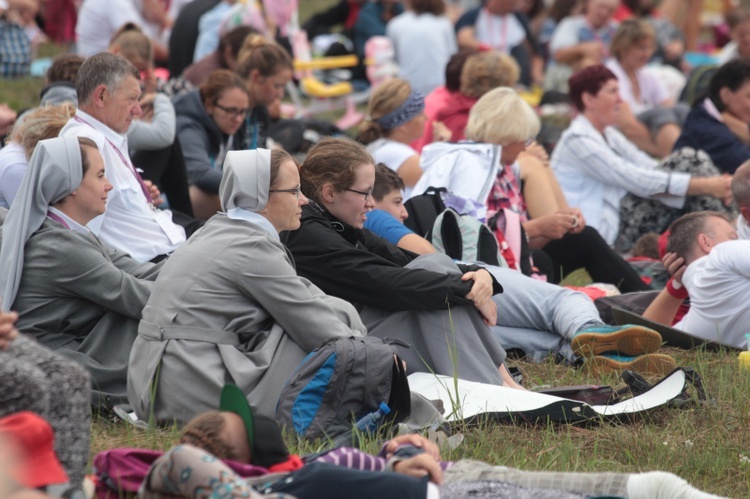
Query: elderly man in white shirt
[108,91]
[714,268]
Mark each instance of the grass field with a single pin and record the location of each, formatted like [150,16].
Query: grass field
[709,445]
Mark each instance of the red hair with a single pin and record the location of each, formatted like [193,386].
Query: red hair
[588,80]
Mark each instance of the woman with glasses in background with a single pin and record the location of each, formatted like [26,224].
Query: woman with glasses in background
[207,120]
[230,305]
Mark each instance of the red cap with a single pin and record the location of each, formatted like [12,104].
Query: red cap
[33,436]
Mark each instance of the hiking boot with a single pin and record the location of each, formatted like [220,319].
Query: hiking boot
[650,363]
[626,340]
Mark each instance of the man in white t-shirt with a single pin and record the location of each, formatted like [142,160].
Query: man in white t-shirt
[714,268]
[741,196]
[108,90]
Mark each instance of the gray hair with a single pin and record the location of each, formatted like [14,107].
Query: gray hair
[741,185]
[502,117]
[102,69]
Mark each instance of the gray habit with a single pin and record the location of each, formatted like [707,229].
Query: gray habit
[84,301]
[228,307]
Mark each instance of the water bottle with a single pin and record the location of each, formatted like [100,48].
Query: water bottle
[371,422]
[745,356]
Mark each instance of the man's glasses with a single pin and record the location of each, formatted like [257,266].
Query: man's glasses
[233,111]
[296,191]
[366,194]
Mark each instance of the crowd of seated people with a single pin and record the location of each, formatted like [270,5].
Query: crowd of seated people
[154,233]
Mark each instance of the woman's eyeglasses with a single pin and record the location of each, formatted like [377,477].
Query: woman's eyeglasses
[233,111]
[366,194]
[296,191]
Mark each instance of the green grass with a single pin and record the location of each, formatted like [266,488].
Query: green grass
[702,444]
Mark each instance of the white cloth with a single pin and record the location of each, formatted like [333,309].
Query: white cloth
[652,91]
[392,154]
[467,169]
[728,53]
[502,33]
[72,224]
[422,44]
[253,218]
[743,228]
[13,164]
[719,285]
[130,222]
[98,20]
[595,173]
[208,30]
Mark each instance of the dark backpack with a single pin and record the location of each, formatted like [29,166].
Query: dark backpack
[423,210]
[697,83]
[339,383]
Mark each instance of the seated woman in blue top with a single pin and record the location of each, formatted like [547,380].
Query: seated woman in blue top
[207,119]
[718,123]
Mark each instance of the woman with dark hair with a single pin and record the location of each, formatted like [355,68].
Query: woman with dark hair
[597,166]
[225,57]
[718,123]
[266,68]
[207,121]
[230,304]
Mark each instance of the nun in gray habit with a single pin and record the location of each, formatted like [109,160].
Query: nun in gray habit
[229,306]
[72,294]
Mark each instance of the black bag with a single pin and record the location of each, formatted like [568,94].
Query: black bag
[423,211]
[342,381]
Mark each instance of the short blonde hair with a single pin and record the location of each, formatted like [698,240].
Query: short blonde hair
[502,117]
[629,33]
[40,124]
[487,70]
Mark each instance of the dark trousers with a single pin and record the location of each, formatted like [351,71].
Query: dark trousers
[326,481]
[588,250]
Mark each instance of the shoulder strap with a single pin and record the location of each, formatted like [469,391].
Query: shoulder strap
[423,210]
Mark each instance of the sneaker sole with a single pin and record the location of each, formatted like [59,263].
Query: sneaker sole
[635,340]
[653,363]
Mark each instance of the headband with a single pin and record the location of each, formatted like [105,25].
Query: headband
[404,113]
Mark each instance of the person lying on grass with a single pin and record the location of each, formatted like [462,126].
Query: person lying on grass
[193,468]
